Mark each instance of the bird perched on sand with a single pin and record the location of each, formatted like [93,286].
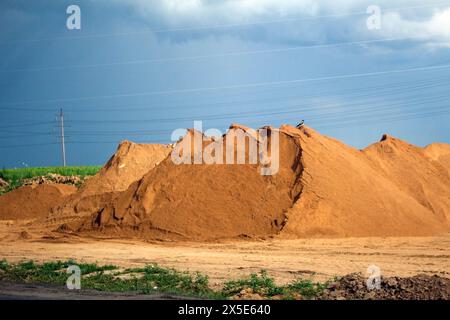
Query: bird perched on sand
[300,124]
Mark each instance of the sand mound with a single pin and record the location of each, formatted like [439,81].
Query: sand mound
[204,201]
[388,189]
[439,152]
[323,188]
[31,202]
[130,162]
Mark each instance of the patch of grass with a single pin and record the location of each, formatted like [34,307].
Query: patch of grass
[49,272]
[264,286]
[150,279]
[156,279]
[25,173]
[307,288]
[15,177]
[260,284]
[175,281]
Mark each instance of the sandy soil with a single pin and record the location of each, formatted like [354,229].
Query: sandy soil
[320,259]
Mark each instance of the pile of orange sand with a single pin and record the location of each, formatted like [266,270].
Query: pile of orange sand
[130,162]
[391,188]
[31,202]
[439,152]
[324,188]
[204,201]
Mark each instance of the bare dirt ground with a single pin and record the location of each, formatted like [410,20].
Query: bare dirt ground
[20,291]
[319,259]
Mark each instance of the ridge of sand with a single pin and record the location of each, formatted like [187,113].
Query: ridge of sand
[33,201]
[439,152]
[324,189]
[203,201]
[387,189]
[128,164]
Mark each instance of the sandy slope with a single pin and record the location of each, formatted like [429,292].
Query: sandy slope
[129,163]
[33,201]
[439,152]
[324,188]
[203,201]
[390,188]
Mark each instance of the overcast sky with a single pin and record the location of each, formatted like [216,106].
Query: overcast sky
[137,70]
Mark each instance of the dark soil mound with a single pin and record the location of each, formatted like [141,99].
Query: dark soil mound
[420,287]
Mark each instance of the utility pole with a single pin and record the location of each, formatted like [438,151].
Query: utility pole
[63,145]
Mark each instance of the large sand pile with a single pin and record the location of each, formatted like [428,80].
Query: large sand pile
[323,188]
[204,201]
[390,188]
[31,202]
[130,162]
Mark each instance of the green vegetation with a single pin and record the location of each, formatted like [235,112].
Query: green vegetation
[260,284]
[110,278]
[307,288]
[153,278]
[265,286]
[49,272]
[26,173]
[15,177]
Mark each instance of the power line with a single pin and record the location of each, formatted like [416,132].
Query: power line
[218,55]
[249,85]
[327,116]
[334,126]
[28,145]
[320,118]
[387,119]
[414,98]
[356,122]
[370,111]
[354,91]
[28,124]
[205,118]
[246,114]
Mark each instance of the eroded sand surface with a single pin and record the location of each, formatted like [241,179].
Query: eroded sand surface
[320,259]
